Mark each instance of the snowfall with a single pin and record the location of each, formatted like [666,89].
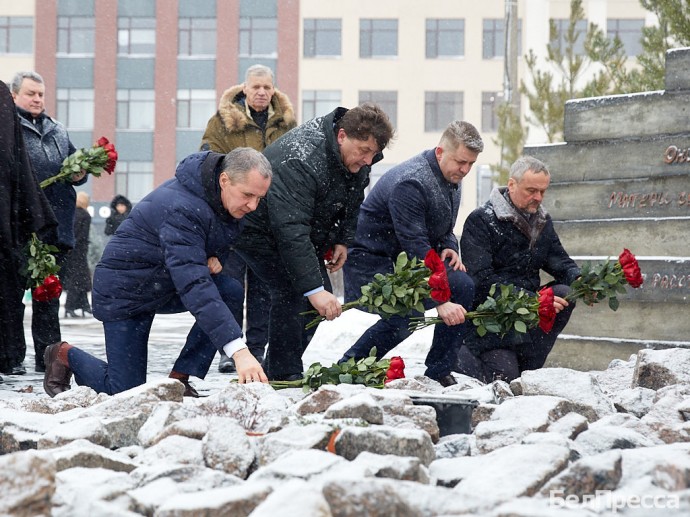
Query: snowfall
[554,442]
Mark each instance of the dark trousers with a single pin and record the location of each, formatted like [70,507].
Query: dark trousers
[287,338]
[77,299]
[126,347]
[386,334]
[257,303]
[45,321]
[491,358]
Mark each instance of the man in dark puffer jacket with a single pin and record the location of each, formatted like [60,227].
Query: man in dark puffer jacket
[165,258]
[508,241]
[321,169]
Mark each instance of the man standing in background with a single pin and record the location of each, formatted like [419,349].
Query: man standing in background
[253,114]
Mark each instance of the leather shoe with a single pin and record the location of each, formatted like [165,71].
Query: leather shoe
[447,380]
[70,314]
[57,376]
[290,377]
[15,370]
[189,390]
[226,364]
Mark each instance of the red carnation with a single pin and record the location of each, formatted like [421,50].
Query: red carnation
[438,281]
[631,268]
[547,312]
[396,370]
[102,142]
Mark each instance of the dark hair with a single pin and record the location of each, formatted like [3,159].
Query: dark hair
[367,120]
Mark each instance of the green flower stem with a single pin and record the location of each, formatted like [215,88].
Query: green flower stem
[319,319]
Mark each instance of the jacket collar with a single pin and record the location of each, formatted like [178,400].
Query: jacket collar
[506,211]
[234,112]
[210,180]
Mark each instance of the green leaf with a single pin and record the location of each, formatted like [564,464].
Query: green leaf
[613,303]
[401,261]
[520,327]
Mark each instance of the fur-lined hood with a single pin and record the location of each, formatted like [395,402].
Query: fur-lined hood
[235,118]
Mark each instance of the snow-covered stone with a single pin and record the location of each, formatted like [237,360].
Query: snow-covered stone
[569,425]
[273,445]
[163,416]
[394,467]
[237,500]
[27,479]
[226,447]
[603,438]
[282,501]
[384,440]
[178,449]
[300,464]
[656,369]
[92,429]
[637,401]
[83,453]
[454,446]
[361,406]
[587,475]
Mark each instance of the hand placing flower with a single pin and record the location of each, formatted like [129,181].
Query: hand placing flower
[397,293]
[41,270]
[606,280]
[101,157]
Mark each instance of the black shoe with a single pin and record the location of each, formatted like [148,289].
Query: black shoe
[70,314]
[40,368]
[84,312]
[226,364]
[15,370]
[189,390]
[446,380]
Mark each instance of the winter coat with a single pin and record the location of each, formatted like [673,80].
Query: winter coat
[160,252]
[232,127]
[499,246]
[312,203]
[411,208]
[24,210]
[75,272]
[48,144]
[115,218]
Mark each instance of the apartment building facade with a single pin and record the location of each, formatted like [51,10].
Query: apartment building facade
[148,73]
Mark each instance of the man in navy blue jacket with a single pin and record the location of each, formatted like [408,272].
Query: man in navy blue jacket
[165,258]
[413,208]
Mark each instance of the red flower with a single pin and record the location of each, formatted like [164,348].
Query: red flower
[50,288]
[102,142]
[328,256]
[438,281]
[396,370]
[547,312]
[631,268]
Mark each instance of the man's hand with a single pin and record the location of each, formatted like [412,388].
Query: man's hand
[326,304]
[78,176]
[214,265]
[455,262]
[559,303]
[248,368]
[451,313]
[338,259]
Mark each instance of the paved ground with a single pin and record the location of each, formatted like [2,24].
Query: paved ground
[168,335]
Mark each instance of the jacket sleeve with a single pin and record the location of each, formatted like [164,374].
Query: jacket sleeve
[182,239]
[477,253]
[559,264]
[291,200]
[213,136]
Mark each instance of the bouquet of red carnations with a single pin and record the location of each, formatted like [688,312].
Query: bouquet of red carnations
[95,160]
[41,270]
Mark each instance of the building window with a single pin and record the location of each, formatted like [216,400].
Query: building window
[322,37]
[135,109]
[490,103]
[378,38]
[494,38]
[197,37]
[316,103]
[16,35]
[441,108]
[75,107]
[445,38]
[629,32]
[76,35]
[259,37]
[134,179]
[194,108]
[387,100]
[136,35]
[562,26]
[485,183]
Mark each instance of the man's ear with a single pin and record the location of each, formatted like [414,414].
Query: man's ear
[341,136]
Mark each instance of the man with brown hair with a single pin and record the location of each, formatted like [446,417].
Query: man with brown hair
[321,169]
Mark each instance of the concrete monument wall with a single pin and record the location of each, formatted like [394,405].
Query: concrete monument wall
[622,180]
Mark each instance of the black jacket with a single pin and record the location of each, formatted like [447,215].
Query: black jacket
[312,203]
[498,246]
[115,218]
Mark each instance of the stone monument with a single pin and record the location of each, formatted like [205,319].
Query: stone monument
[621,180]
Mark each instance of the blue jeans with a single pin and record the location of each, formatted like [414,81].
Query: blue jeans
[386,334]
[126,347]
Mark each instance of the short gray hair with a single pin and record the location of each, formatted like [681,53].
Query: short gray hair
[19,79]
[240,161]
[461,132]
[527,163]
[259,71]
